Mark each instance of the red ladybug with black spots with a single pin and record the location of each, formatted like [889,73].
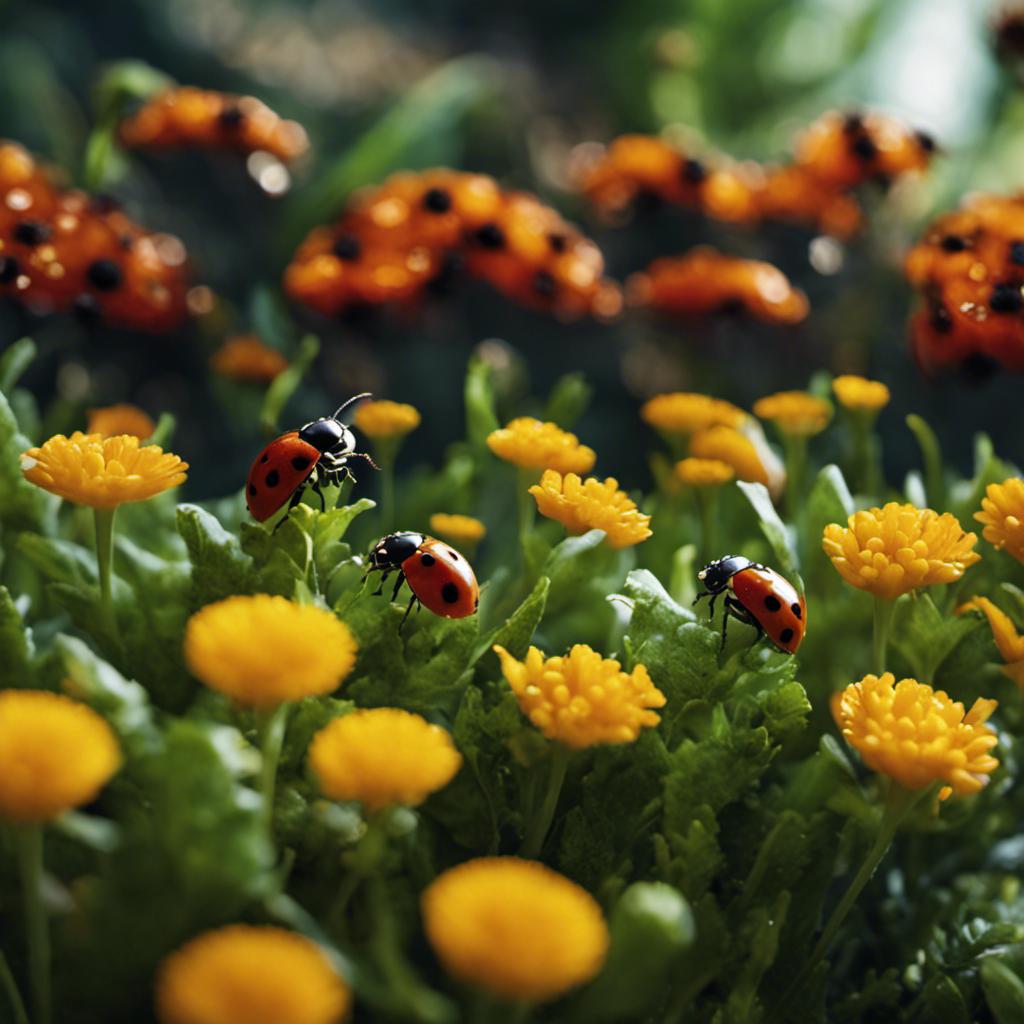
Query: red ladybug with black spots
[317,454]
[438,576]
[758,596]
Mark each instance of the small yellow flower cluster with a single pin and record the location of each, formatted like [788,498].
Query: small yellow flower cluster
[582,699]
[704,472]
[247,357]
[918,736]
[530,444]
[515,928]
[457,529]
[382,757]
[892,550]
[582,505]
[795,412]
[263,650]
[250,974]
[860,395]
[102,473]
[745,450]
[124,418]
[689,413]
[385,419]
[1003,516]
[54,754]
[1008,640]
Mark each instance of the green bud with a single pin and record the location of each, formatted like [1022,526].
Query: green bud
[1004,992]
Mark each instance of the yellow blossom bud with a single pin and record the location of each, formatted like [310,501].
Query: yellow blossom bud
[746,451]
[591,505]
[860,395]
[918,736]
[531,444]
[1003,516]
[381,757]
[687,413]
[385,419]
[795,412]
[704,472]
[54,754]
[246,357]
[457,529]
[124,418]
[515,928]
[1008,640]
[581,699]
[892,550]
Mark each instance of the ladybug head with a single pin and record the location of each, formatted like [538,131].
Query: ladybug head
[328,435]
[716,575]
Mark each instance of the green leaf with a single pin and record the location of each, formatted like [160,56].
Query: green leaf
[219,566]
[517,631]
[16,647]
[940,1002]
[568,400]
[931,454]
[830,501]
[285,383]
[774,529]
[61,561]
[481,418]
[14,362]
[1004,991]
[23,506]
[925,637]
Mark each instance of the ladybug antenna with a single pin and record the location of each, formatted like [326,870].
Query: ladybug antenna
[354,398]
[363,455]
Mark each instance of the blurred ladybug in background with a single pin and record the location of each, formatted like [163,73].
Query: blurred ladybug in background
[438,576]
[758,596]
[317,454]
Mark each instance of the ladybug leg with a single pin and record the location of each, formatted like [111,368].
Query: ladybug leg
[739,611]
[708,593]
[398,585]
[414,600]
[383,577]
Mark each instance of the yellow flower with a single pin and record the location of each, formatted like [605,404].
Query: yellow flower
[688,413]
[795,412]
[382,757]
[54,754]
[530,444]
[514,927]
[247,357]
[892,550]
[1008,640]
[102,473]
[1003,516]
[860,395]
[125,418]
[384,420]
[250,974]
[263,650]
[917,735]
[746,451]
[704,472]
[591,505]
[582,699]
[457,529]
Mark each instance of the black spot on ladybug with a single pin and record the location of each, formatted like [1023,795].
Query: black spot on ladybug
[1017,253]
[264,459]
[231,118]
[864,149]
[557,242]
[31,232]
[953,243]
[427,559]
[104,275]
[1006,298]
[8,269]
[490,236]
[454,555]
[544,284]
[300,462]
[447,277]
[852,123]
[346,247]
[772,603]
[252,490]
[692,171]
[732,306]
[449,593]
[925,141]
[273,478]
[796,610]
[979,366]
[941,320]
[437,200]
[785,636]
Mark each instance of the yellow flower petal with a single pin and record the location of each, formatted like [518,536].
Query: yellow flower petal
[1003,516]
[514,927]
[582,699]
[386,419]
[591,505]
[1008,640]
[263,650]
[860,395]
[88,469]
[124,418]
[247,357]
[382,757]
[795,412]
[457,529]
[688,413]
[531,444]
[244,974]
[917,736]
[704,472]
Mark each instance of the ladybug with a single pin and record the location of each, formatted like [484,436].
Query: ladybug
[317,454]
[437,574]
[759,597]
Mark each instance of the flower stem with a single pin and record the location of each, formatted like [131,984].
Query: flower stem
[20,1014]
[707,502]
[29,842]
[104,518]
[796,471]
[540,822]
[898,804]
[271,722]
[385,451]
[527,505]
[880,636]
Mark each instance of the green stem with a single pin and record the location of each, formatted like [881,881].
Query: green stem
[796,471]
[527,505]
[20,1014]
[931,455]
[540,822]
[898,805]
[707,502]
[29,842]
[866,454]
[104,518]
[880,634]
[271,723]
[385,452]
[488,1008]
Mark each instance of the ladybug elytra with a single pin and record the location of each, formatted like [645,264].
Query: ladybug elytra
[315,455]
[758,596]
[438,576]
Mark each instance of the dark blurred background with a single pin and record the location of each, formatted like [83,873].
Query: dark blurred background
[510,88]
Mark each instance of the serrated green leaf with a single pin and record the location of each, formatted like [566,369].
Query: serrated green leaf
[16,647]
[774,529]
[925,637]
[219,566]
[517,631]
[61,561]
